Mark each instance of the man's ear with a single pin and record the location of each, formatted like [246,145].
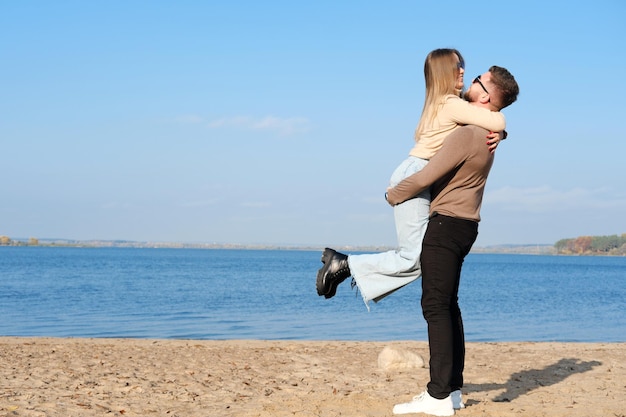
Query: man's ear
[484,98]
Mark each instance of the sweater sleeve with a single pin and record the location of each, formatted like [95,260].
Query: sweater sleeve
[465,113]
[451,155]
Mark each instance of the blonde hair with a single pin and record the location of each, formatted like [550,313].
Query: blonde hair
[441,71]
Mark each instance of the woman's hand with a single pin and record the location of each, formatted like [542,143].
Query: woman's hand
[494,138]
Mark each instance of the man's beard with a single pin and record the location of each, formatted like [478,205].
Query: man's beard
[467,97]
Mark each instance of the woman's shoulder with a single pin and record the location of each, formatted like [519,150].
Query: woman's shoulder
[452,99]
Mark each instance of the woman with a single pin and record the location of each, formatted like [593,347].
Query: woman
[378,275]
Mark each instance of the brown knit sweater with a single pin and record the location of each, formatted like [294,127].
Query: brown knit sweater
[457,173]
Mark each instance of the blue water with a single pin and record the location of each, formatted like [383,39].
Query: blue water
[256,294]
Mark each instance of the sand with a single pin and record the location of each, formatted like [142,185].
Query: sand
[135,377]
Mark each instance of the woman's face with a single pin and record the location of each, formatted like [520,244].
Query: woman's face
[459,79]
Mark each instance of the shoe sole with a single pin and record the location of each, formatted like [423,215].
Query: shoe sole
[319,283]
[327,255]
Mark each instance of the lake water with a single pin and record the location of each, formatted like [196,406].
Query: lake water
[257,294]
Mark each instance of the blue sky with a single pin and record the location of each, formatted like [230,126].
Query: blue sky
[280,122]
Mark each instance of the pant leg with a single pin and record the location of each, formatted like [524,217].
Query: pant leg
[378,275]
[458,346]
[446,243]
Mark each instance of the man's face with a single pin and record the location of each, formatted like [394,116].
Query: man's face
[479,89]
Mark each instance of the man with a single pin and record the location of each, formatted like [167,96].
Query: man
[457,175]
[380,274]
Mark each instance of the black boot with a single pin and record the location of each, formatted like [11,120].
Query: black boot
[333,273]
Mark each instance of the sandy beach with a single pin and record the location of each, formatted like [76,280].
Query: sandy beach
[137,377]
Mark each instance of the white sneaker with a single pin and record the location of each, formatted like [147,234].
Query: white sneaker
[424,403]
[457,399]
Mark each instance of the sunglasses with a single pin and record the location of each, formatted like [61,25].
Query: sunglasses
[477,80]
[460,64]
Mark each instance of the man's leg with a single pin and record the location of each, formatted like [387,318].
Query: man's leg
[446,243]
[458,361]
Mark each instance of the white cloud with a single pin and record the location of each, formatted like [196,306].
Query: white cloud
[256,204]
[547,199]
[282,126]
[237,121]
[288,126]
[199,203]
[116,205]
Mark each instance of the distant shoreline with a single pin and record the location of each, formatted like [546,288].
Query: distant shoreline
[511,249]
[530,249]
[613,245]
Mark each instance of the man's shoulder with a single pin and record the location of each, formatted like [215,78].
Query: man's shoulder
[474,129]
[467,140]
[468,131]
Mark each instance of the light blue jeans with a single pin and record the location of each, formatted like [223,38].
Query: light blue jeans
[378,275]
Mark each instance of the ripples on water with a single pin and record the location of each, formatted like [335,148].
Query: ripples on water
[240,294]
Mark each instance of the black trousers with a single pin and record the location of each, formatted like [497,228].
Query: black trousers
[446,243]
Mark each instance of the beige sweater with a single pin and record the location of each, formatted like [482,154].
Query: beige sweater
[457,174]
[454,112]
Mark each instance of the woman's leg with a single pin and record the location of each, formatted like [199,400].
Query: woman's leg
[378,275]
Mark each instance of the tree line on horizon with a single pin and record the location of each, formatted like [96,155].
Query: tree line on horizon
[592,245]
[582,245]
[7,241]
